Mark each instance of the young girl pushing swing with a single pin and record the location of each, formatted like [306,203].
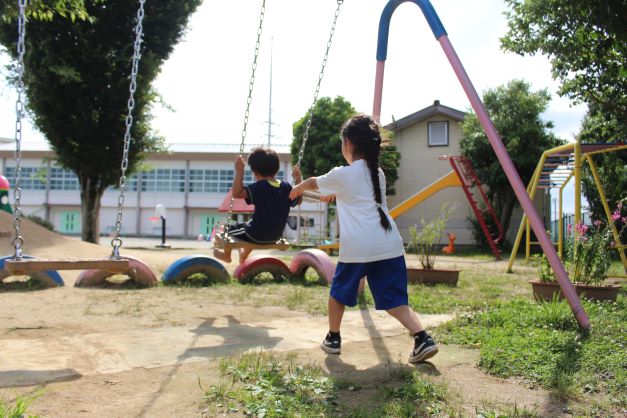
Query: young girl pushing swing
[370,244]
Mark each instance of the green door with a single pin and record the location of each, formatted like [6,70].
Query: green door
[206,224]
[70,222]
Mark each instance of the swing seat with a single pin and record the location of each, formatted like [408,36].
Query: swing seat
[30,265]
[226,242]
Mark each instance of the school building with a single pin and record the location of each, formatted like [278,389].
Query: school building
[191,181]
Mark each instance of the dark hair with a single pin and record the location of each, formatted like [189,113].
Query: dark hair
[363,132]
[264,161]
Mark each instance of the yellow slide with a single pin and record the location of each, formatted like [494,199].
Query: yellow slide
[448,180]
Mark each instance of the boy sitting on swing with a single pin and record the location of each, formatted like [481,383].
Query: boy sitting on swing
[270,196]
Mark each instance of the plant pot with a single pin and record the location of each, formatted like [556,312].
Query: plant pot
[432,276]
[547,290]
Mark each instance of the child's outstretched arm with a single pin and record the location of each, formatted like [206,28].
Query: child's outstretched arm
[297,177]
[307,185]
[239,192]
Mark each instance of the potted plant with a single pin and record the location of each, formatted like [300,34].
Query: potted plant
[588,261]
[425,243]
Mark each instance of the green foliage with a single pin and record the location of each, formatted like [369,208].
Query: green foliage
[543,343]
[77,85]
[601,128]
[589,254]
[415,396]
[515,111]
[425,242]
[48,10]
[19,408]
[262,385]
[323,150]
[586,42]
[545,271]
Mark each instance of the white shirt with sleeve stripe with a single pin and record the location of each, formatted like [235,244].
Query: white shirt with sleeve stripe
[362,237]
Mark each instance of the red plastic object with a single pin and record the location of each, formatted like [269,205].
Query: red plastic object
[139,272]
[258,264]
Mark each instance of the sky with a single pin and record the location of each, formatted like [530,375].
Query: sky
[205,81]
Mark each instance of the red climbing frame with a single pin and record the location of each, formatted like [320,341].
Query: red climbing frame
[476,195]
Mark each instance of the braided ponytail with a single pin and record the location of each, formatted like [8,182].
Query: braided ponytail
[363,132]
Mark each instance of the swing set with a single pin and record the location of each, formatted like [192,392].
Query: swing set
[19,263]
[223,240]
[94,270]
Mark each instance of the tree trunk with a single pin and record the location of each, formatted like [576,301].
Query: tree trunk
[91,192]
[506,214]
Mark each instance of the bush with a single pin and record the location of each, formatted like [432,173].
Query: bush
[46,224]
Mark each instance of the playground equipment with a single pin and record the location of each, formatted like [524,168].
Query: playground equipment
[304,260]
[497,144]
[450,248]
[557,166]
[4,195]
[193,264]
[223,240]
[464,176]
[136,271]
[100,269]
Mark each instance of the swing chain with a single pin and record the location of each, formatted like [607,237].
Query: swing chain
[116,242]
[251,85]
[17,240]
[301,152]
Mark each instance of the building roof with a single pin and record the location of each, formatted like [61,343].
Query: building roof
[239,205]
[435,109]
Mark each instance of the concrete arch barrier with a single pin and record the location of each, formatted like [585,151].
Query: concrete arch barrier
[50,278]
[257,264]
[184,267]
[137,271]
[315,259]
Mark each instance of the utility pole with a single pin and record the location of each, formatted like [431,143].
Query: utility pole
[270,97]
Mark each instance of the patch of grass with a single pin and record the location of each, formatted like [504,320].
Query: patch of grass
[195,280]
[542,343]
[264,385]
[261,384]
[475,291]
[19,407]
[415,396]
[490,411]
[21,284]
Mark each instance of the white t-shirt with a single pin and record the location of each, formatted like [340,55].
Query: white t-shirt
[362,237]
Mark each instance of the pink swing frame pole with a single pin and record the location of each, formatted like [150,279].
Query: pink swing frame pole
[495,140]
[517,184]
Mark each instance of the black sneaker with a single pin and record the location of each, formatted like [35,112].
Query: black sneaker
[332,345]
[423,349]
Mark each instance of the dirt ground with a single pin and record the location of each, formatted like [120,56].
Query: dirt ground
[149,352]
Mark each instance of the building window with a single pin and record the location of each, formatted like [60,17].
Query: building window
[217,181]
[62,179]
[31,178]
[438,134]
[163,180]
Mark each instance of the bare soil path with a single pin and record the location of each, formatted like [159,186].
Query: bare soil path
[148,352]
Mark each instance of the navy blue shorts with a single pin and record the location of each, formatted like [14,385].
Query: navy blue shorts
[387,280]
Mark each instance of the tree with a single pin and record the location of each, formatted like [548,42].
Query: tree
[323,150]
[586,41]
[515,111]
[77,86]
[595,128]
